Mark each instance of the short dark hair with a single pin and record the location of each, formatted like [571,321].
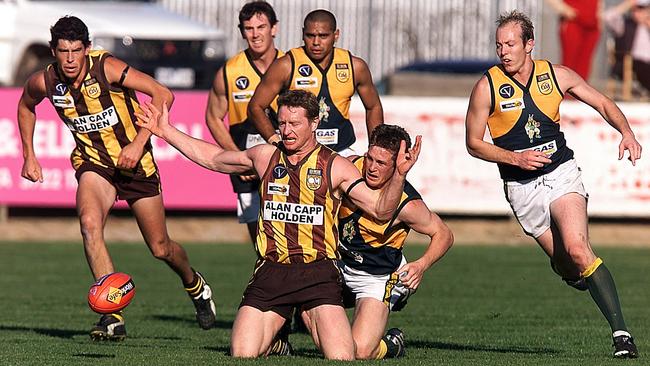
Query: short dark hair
[302,99]
[256,7]
[69,28]
[389,137]
[321,15]
[517,17]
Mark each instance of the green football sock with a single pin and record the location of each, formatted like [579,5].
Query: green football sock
[603,291]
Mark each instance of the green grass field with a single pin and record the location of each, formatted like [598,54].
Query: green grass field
[479,306]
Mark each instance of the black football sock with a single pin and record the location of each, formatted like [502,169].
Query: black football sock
[603,291]
[196,286]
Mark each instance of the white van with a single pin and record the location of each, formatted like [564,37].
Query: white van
[177,51]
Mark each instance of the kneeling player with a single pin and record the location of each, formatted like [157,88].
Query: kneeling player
[375,271]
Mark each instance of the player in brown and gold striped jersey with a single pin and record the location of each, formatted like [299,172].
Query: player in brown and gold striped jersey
[94,94]
[303,183]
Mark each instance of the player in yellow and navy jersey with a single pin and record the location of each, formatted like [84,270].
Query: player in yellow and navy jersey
[94,94]
[375,272]
[232,89]
[301,190]
[519,100]
[330,73]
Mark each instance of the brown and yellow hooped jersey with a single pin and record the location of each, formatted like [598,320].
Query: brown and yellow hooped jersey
[298,210]
[527,117]
[99,115]
[367,244]
[334,88]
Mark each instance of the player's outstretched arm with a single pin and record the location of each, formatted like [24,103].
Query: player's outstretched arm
[274,79]
[201,152]
[478,112]
[380,203]
[134,79]
[572,83]
[418,217]
[33,93]
[368,94]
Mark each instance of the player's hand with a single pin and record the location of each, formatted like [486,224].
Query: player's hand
[153,119]
[531,160]
[32,170]
[130,155]
[410,274]
[248,178]
[407,158]
[629,143]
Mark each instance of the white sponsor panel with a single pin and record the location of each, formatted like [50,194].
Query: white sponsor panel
[327,136]
[242,96]
[254,140]
[451,181]
[548,148]
[94,122]
[293,213]
[512,104]
[306,82]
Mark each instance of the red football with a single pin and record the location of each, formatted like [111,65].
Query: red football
[111,293]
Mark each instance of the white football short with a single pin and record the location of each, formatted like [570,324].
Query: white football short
[385,288]
[248,207]
[531,199]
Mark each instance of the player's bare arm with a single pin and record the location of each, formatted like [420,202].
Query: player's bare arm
[33,93]
[138,81]
[572,83]
[368,94]
[216,112]
[275,78]
[380,203]
[418,217]
[476,125]
[207,155]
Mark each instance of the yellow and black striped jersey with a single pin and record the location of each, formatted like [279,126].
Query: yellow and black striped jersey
[99,115]
[298,211]
[241,77]
[334,88]
[368,244]
[527,117]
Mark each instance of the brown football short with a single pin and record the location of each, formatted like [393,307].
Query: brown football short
[281,287]
[129,187]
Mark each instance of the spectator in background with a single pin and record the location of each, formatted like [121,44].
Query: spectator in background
[579,32]
[629,21]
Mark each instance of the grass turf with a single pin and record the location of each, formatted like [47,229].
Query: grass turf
[478,306]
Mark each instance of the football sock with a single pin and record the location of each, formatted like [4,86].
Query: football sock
[196,286]
[383,350]
[603,291]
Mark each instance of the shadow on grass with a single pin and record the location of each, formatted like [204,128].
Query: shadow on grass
[58,333]
[298,352]
[180,319]
[92,355]
[480,348]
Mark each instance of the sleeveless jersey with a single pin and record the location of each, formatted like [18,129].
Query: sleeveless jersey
[241,77]
[334,88]
[298,212]
[527,117]
[369,245]
[99,115]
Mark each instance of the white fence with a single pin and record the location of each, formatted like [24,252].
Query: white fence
[388,34]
